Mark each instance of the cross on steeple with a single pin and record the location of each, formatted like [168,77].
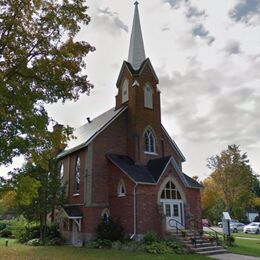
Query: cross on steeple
[136,53]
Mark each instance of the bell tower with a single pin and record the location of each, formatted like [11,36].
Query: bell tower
[137,88]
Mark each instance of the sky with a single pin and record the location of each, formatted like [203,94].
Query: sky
[206,55]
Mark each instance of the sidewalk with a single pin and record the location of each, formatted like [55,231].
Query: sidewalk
[230,256]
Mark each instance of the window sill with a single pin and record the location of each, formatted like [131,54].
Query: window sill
[150,153]
[121,195]
[75,194]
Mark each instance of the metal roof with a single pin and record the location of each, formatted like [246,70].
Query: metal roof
[136,54]
[86,133]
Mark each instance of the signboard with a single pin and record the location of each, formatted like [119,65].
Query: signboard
[226,223]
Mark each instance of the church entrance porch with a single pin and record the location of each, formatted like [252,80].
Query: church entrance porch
[173,207]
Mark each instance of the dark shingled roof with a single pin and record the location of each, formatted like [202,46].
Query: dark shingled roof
[73,211]
[193,183]
[156,166]
[149,173]
[137,173]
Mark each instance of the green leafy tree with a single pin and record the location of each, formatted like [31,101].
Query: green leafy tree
[40,63]
[234,179]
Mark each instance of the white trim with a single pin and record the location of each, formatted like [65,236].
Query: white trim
[150,153]
[176,167]
[76,194]
[74,217]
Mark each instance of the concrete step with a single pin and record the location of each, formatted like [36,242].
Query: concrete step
[206,248]
[213,252]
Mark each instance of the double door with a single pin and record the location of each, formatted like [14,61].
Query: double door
[173,210]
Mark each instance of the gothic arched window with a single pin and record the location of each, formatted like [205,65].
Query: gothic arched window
[77,175]
[170,192]
[61,170]
[148,96]
[125,91]
[121,190]
[149,141]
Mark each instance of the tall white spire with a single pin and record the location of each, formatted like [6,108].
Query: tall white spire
[136,53]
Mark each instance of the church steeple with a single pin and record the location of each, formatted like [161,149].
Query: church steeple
[136,53]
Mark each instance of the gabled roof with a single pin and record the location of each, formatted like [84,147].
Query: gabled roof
[137,72]
[71,212]
[150,173]
[86,133]
[137,173]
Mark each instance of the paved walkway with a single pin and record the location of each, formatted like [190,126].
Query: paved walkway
[234,257]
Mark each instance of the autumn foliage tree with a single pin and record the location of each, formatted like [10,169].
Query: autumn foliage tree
[231,181]
[40,63]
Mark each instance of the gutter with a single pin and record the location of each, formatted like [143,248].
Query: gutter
[134,211]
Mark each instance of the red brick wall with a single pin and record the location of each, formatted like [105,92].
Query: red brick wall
[121,207]
[112,140]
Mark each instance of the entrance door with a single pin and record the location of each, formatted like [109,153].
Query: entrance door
[173,211]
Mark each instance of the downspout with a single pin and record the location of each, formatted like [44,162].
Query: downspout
[134,211]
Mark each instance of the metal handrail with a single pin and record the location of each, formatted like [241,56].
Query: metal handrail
[178,229]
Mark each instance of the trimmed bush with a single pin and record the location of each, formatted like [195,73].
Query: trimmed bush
[151,237]
[110,230]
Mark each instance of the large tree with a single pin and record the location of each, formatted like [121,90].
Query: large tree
[234,180]
[40,63]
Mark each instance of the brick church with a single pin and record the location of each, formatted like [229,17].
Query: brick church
[125,165]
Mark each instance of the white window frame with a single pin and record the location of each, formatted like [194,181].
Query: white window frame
[125,91]
[77,177]
[148,96]
[61,170]
[149,142]
[121,185]
[172,189]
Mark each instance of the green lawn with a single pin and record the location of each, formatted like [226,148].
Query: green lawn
[19,251]
[246,235]
[246,247]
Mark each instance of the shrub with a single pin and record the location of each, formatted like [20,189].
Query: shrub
[158,248]
[2,226]
[34,242]
[110,230]
[150,237]
[7,232]
[104,243]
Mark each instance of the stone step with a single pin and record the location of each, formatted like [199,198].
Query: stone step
[213,252]
[206,248]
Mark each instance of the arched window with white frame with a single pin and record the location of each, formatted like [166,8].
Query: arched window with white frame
[170,192]
[61,170]
[121,190]
[125,91]
[149,141]
[77,175]
[148,96]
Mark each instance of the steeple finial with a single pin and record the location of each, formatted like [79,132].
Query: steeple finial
[136,53]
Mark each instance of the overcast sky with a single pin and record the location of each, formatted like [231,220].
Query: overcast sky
[207,57]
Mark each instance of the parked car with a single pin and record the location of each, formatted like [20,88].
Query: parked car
[232,221]
[206,222]
[237,227]
[253,227]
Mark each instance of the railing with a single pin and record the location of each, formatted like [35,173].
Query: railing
[173,223]
[196,229]
[213,234]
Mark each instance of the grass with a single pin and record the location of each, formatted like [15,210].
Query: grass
[246,247]
[20,251]
[246,235]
